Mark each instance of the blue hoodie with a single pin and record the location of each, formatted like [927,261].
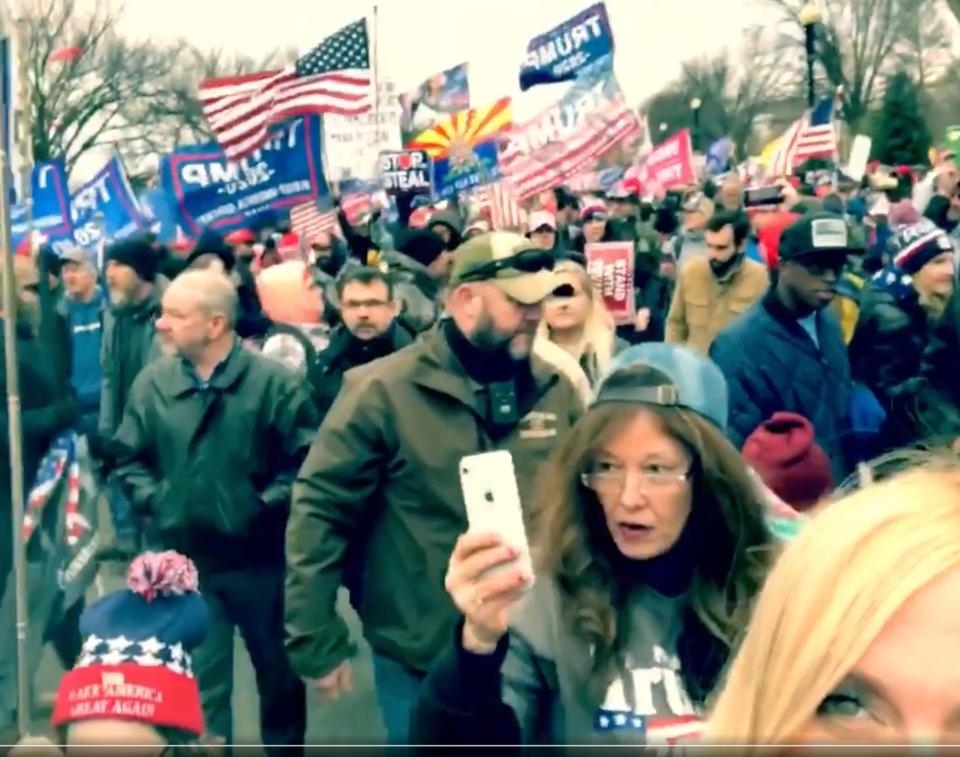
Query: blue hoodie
[85,325]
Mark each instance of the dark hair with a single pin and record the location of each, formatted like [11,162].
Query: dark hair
[363,274]
[565,199]
[725,543]
[735,218]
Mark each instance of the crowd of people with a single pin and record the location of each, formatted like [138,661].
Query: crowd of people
[270,428]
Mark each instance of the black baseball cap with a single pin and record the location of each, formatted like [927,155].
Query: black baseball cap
[816,235]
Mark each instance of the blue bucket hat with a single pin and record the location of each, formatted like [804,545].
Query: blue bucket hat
[694,382]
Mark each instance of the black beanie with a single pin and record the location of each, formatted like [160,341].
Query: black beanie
[421,245]
[137,254]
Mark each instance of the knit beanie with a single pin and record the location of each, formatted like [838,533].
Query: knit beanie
[135,663]
[916,244]
[422,245]
[784,454]
[136,254]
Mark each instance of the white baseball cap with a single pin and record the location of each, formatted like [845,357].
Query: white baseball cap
[541,218]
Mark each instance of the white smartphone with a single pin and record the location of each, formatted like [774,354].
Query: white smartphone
[492,499]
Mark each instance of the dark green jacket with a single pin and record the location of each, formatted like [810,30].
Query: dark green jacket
[213,467]
[384,469]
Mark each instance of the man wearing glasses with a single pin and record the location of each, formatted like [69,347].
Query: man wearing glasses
[787,353]
[382,475]
[369,329]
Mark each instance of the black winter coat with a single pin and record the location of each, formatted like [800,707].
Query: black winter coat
[772,364]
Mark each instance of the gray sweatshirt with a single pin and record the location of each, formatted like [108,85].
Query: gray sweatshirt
[545,675]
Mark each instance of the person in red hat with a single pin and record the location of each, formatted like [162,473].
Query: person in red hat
[784,454]
[242,241]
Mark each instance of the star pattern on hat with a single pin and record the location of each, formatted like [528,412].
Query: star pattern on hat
[149,652]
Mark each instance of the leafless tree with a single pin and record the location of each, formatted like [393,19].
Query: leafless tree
[861,42]
[733,89]
[138,98]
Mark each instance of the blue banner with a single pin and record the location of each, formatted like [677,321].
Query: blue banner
[471,168]
[209,191]
[443,93]
[50,201]
[562,53]
[105,208]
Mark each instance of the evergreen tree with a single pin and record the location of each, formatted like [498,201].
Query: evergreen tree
[901,135]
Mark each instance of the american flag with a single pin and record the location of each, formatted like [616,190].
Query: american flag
[334,77]
[308,220]
[58,465]
[531,173]
[811,136]
[505,211]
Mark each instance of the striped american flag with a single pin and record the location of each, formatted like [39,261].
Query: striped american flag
[505,211]
[532,172]
[334,77]
[813,135]
[308,220]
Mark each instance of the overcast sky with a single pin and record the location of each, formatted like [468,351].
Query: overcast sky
[653,37]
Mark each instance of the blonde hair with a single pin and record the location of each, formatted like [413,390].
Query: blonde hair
[599,339]
[830,594]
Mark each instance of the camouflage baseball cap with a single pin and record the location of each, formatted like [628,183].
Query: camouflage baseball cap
[520,269]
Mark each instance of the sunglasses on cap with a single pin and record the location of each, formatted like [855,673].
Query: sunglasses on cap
[528,261]
[597,216]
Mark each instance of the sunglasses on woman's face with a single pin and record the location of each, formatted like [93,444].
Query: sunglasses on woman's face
[528,261]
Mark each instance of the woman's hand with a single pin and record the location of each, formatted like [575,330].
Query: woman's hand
[485,599]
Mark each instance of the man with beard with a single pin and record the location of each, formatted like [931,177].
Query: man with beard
[128,343]
[714,290]
[368,331]
[383,472]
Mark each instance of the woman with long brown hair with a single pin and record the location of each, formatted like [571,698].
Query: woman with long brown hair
[649,546]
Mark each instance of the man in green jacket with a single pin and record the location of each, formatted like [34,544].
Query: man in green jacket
[210,442]
[382,476]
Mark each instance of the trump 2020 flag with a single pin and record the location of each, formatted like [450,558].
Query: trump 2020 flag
[562,53]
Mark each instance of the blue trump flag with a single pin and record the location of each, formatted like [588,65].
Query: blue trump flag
[209,191]
[562,53]
[105,208]
[50,208]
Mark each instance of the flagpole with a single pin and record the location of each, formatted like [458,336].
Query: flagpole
[376,69]
[9,300]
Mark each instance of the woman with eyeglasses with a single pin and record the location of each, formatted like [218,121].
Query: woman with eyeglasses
[576,319]
[649,543]
[854,637]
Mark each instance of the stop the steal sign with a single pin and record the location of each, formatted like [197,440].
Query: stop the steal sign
[406,172]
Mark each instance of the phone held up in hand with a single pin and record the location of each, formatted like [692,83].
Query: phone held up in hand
[492,499]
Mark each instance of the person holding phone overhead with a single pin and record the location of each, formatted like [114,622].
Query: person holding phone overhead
[649,544]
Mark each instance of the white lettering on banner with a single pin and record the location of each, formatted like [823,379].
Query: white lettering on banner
[556,123]
[565,43]
[90,197]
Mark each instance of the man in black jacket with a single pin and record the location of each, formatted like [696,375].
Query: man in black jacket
[369,329]
[210,441]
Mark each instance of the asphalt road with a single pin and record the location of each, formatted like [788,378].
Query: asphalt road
[353,719]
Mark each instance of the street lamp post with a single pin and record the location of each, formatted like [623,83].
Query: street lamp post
[695,104]
[809,16]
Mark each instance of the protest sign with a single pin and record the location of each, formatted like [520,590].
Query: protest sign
[669,165]
[49,211]
[441,94]
[562,53]
[568,137]
[105,209]
[859,157]
[353,143]
[470,167]
[209,191]
[610,265]
[406,172]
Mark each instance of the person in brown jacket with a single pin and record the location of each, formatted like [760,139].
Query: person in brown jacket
[382,478]
[714,290]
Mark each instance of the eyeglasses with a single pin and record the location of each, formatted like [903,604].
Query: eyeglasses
[611,478]
[528,261]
